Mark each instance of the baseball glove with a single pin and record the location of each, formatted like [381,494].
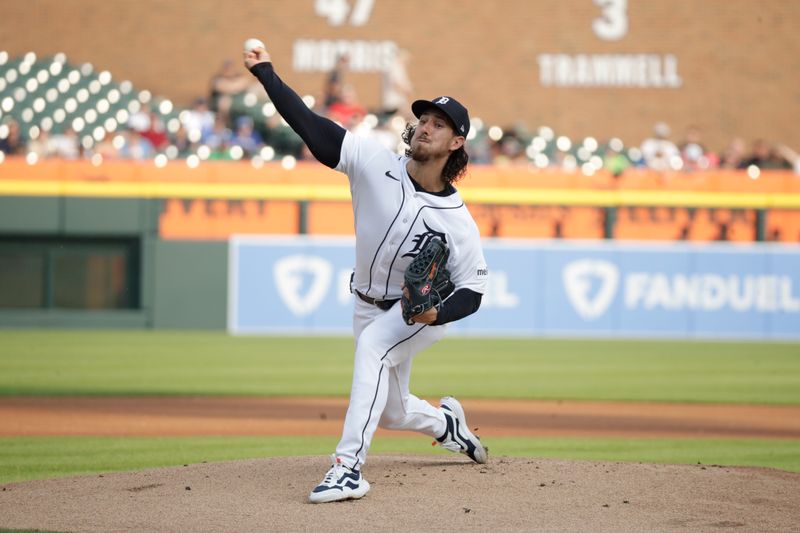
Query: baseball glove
[427,280]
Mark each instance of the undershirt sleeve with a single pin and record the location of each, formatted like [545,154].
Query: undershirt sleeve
[461,303]
[322,136]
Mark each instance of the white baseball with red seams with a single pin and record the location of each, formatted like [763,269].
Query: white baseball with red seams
[393,222]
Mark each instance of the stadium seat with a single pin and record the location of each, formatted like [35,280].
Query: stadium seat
[49,94]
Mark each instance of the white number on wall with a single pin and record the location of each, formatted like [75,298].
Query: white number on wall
[337,11]
[613,24]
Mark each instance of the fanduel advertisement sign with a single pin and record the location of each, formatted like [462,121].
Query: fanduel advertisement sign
[542,288]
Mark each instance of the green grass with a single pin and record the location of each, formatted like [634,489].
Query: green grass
[46,362]
[27,458]
[213,363]
[44,457]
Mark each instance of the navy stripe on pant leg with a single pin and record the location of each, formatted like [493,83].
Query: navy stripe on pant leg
[377,388]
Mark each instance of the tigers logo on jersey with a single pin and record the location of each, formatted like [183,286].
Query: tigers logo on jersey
[421,239]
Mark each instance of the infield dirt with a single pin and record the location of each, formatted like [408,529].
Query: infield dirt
[413,494]
[303,416]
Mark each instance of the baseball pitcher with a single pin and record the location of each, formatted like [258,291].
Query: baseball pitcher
[419,265]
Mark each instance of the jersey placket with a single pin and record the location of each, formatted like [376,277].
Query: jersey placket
[395,241]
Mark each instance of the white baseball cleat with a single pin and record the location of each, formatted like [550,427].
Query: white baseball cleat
[340,483]
[457,437]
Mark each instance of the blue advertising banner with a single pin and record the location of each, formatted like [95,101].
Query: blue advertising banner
[564,288]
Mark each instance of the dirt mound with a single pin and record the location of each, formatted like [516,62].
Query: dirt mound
[413,493]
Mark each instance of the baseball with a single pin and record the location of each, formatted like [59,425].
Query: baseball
[252,44]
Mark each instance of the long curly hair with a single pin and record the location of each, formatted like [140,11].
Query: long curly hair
[456,166]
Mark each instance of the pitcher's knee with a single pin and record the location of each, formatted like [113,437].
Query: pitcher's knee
[375,353]
[393,420]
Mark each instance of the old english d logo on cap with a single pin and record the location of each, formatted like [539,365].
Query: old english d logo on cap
[448,105]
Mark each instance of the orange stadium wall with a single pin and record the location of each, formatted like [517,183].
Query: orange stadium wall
[219,219]
[728,67]
[219,199]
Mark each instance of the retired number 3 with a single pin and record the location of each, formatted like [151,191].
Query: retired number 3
[613,24]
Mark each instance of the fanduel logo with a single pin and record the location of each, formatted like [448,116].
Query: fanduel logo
[302,282]
[710,292]
[580,277]
[592,284]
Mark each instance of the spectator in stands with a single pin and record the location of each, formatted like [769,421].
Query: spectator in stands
[694,154]
[334,83]
[156,131]
[615,162]
[198,121]
[658,151]
[107,148]
[764,157]
[347,111]
[227,83]
[734,154]
[396,87]
[40,145]
[479,150]
[180,139]
[66,144]
[135,146]
[140,120]
[281,137]
[509,151]
[246,137]
[12,142]
[220,136]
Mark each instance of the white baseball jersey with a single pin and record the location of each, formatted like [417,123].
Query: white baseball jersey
[394,221]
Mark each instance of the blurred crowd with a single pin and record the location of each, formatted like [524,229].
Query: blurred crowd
[235,121]
[660,151]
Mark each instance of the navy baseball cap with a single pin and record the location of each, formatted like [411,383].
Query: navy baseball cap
[448,105]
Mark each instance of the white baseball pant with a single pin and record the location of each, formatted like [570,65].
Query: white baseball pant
[385,348]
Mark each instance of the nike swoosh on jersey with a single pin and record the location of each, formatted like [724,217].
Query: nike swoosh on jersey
[389,175]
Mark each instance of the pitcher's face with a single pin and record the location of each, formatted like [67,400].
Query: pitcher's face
[434,137]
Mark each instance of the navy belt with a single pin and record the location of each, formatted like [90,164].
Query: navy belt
[385,305]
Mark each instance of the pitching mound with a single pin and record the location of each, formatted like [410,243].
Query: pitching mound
[413,493]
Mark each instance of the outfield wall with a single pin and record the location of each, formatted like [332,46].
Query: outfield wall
[131,245]
[301,286]
[175,284]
